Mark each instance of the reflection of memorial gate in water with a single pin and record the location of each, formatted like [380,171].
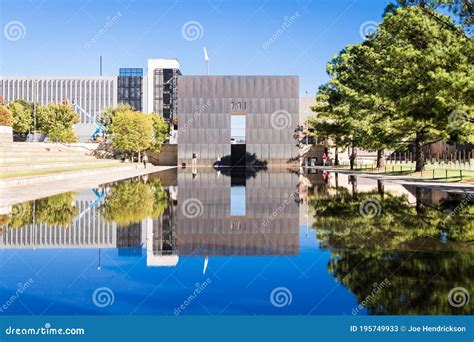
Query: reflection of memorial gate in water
[269,226]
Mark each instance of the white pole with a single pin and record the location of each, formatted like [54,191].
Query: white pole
[206,59]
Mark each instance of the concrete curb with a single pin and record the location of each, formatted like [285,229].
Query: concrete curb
[64,175]
[399,179]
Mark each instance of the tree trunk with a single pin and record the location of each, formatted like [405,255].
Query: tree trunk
[353,180]
[380,187]
[139,156]
[419,154]
[336,156]
[380,158]
[352,157]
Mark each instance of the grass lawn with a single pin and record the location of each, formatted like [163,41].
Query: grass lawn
[434,172]
[32,172]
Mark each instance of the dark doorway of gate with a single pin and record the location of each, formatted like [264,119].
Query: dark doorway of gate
[237,154]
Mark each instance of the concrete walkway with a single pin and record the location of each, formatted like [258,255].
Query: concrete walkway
[404,180]
[11,194]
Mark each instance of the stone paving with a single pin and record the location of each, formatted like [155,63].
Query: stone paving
[11,194]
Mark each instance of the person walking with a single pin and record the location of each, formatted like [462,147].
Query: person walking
[145,159]
[194,162]
[325,159]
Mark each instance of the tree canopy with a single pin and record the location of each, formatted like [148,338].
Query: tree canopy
[57,121]
[22,112]
[132,201]
[410,82]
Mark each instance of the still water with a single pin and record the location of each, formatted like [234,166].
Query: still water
[240,243]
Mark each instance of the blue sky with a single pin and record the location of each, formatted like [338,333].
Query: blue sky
[66,37]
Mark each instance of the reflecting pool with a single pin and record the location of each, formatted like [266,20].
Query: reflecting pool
[240,243]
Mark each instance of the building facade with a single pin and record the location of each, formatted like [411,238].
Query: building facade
[205,109]
[91,94]
[161,93]
[130,87]
[266,106]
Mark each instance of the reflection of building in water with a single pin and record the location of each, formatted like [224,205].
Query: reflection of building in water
[205,216]
[206,224]
[86,230]
[160,235]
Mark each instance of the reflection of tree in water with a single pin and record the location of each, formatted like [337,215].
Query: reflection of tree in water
[58,210]
[403,244]
[21,215]
[418,282]
[132,200]
[340,224]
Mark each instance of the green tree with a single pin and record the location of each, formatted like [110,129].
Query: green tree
[132,132]
[22,112]
[161,132]
[132,201]
[107,116]
[427,76]
[57,120]
[333,121]
[411,82]
[462,9]
[57,210]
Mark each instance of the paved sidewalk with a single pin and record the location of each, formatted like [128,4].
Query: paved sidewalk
[11,194]
[405,180]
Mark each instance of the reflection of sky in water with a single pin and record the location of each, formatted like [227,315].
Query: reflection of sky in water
[64,281]
[247,240]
